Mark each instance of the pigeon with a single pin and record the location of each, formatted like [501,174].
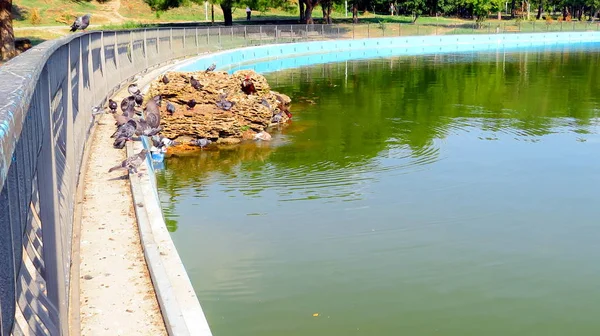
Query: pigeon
[124,134]
[248,86]
[134,90]
[203,142]
[195,84]
[160,141]
[211,68]
[170,108]
[190,103]
[81,22]
[143,128]
[225,105]
[262,136]
[283,108]
[139,99]
[112,105]
[277,118]
[152,114]
[97,110]
[120,119]
[265,103]
[131,163]
[157,99]
[165,79]
[127,103]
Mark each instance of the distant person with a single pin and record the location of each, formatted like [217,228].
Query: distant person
[248,13]
[392,8]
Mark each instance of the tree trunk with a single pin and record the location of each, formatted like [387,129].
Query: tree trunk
[324,9]
[540,9]
[499,15]
[512,9]
[212,13]
[416,15]
[310,5]
[301,5]
[227,14]
[329,9]
[7,37]
[354,12]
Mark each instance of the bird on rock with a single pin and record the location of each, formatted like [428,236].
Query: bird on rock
[131,163]
[202,142]
[265,103]
[248,86]
[124,133]
[170,108]
[195,84]
[264,136]
[134,90]
[223,103]
[112,105]
[277,118]
[191,104]
[81,23]
[211,68]
[160,141]
[165,79]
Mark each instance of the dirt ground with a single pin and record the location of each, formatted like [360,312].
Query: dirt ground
[117,296]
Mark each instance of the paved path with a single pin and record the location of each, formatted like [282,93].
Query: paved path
[117,296]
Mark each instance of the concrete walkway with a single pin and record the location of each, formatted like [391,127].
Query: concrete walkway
[117,296]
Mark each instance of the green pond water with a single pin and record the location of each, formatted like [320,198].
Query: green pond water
[451,194]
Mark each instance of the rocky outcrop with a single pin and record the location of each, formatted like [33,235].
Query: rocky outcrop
[249,114]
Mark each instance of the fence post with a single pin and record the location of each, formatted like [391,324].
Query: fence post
[338,32]
[260,34]
[116,52]
[436,29]
[322,30]
[353,29]
[131,47]
[534,26]
[158,43]
[220,45]
[368,30]
[197,42]
[145,48]
[208,37]
[561,26]
[417,28]
[184,38]
[399,29]
[277,33]
[171,40]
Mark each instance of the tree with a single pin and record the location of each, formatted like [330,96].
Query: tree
[309,5]
[7,36]
[415,8]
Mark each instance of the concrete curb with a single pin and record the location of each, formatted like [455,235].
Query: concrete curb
[179,305]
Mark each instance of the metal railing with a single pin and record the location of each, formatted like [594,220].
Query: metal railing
[47,96]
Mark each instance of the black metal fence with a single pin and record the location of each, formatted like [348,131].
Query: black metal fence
[46,98]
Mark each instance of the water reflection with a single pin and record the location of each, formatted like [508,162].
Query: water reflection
[355,119]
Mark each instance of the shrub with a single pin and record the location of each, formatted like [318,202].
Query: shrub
[34,16]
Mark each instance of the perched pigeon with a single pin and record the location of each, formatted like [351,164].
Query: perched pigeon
[139,99]
[82,22]
[160,141]
[265,103]
[131,163]
[277,118]
[120,119]
[225,105]
[134,90]
[124,134]
[264,136]
[195,84]
[165,79]
[127,103]
[170,108]
[211,68]
[143,128]
[152,114]
[157,99]
[203,142]
[191,104]
[112,105]
[248,86]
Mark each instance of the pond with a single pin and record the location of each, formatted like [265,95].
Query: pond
[450,194]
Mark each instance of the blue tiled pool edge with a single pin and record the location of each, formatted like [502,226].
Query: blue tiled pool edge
[340,50]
